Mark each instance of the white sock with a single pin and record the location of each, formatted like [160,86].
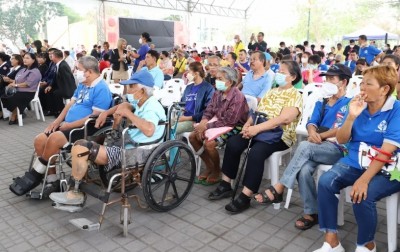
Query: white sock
[39,167]
[51,178]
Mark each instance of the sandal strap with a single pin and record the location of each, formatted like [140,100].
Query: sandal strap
[278,197]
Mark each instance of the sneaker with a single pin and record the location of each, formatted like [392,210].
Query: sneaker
[51,187]
[365,249]
[68,198]
[327,248]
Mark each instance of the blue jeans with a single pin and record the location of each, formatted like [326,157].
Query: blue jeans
[303,165]
[341,176]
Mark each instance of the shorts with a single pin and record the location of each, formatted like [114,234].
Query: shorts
[135,156]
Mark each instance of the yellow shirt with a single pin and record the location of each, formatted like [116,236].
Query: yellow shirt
[224,63]
[272,104]
[238,47]
[181,64]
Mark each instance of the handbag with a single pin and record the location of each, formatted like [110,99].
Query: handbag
[176,71]
[367,153]
[268,136]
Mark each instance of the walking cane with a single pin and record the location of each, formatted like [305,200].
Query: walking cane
[239,175]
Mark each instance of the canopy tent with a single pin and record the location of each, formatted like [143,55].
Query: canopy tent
[373,33]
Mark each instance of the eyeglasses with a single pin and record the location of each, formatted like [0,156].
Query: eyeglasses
[213,65]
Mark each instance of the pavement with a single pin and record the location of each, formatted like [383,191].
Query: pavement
[196,225]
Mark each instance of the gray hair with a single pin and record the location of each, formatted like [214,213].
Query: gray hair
[215,57]
[90,63]
[230,74]
[148,90]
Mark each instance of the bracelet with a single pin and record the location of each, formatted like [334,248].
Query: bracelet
[382,151]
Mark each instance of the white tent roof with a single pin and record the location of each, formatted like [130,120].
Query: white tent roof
[372,32]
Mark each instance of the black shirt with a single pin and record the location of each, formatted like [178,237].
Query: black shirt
[262,46]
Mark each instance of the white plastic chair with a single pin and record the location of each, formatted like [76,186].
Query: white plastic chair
[37,106]
[353,88]
[130,69]
[392,219]
[176,83]
[106,73]
[271,167]
[116,88]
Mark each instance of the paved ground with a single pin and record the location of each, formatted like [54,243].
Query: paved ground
[197,225]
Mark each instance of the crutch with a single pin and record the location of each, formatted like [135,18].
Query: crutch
[240,172]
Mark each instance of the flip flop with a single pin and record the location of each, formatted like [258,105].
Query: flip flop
[212,181]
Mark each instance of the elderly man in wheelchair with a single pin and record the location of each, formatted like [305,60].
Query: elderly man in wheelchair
[143,111]
[91,97]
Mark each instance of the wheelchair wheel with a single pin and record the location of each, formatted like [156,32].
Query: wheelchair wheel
[174,164]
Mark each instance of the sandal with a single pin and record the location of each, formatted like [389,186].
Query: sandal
[307,223]
[210,181]
[278,197]
[199,179]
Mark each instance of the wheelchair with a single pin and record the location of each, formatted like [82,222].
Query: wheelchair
[171,160]
[63,157]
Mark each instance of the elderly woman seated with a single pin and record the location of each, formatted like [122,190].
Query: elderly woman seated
[26,82]
[146,116]
[371,126]
[228,108]
[283,106]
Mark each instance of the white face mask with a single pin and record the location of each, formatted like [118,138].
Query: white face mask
[140,41]
[190,77]
[236,40]
[304,60]
[80,76]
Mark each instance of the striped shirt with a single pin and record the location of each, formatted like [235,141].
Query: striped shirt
[230,111]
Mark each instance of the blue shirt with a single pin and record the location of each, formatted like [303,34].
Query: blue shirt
[368,53]
[245,65]
[374,130]
[333,115]
[275,68]
[323,67]
[87,99]
[151,111]
[256,88]
[190,99]
[157,74]
[142,52]
[351,64]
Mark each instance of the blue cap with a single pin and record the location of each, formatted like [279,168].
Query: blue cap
[268,56]
[141,77]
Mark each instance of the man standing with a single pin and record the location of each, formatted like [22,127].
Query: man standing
[350,48]
[238,46]
[340,51]
[63,85]
[283,49]
[256,83]
[259,45]
[368,52]
[29,48]
[307,48]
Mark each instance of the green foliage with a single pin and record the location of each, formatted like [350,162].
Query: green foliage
[173,18]
[22,20]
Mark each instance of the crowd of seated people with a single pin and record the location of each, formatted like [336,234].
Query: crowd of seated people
[217,114]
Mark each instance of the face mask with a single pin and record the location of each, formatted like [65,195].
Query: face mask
[351,46]
[298,52]
[236,40]
[331,58]
[205,62]
[129,98]
[329,89]
[280,79]
[80,76]
[304,60]
[190,77]
[313,66]
[271,61]
[220,85]
[140,40]
[386,48]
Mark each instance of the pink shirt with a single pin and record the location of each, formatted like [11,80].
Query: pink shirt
[316,77]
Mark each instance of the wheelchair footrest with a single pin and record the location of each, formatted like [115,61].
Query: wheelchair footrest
[85,224]
[68,208]
[95,191]
[34,195]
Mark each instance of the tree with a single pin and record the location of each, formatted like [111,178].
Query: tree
[21,20]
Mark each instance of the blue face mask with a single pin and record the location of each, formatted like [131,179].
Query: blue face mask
[220,85]
[131,99]
[280,79]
